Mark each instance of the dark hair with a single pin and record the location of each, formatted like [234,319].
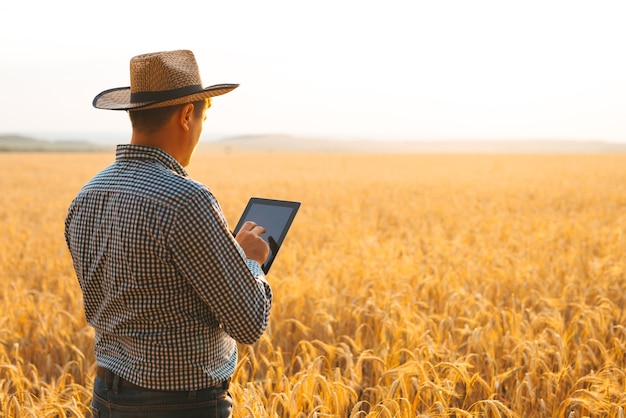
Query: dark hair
[151,120]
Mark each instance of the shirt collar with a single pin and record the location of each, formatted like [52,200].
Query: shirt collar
[129,152]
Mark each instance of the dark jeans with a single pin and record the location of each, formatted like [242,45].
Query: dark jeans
[114,397]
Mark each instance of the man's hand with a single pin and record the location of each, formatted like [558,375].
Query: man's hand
[250,240]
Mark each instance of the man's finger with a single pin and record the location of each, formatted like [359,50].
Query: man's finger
[248,226]
[258,229]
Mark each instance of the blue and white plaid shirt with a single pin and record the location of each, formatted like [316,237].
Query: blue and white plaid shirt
[166,287]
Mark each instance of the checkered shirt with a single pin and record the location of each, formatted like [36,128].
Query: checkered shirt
[165,285]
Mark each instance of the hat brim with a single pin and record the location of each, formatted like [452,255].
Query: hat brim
[119,98]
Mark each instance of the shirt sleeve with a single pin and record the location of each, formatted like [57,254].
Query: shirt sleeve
[210,258]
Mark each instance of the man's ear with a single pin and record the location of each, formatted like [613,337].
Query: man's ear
[185,116]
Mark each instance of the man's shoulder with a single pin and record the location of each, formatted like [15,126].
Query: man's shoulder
[150,180]
[163,183]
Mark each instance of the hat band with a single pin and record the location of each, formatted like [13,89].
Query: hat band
[159,96]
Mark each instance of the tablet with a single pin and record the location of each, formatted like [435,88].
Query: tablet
[275,216]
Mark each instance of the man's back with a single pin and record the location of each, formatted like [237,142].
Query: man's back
[150,298]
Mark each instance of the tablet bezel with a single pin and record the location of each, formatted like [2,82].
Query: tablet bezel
[294,206]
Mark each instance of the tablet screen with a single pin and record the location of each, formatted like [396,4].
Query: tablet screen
[275,216]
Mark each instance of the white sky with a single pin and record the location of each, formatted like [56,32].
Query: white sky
[388,69]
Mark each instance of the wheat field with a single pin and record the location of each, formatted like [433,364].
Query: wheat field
[409,286]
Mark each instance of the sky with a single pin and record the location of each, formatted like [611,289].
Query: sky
[381,70]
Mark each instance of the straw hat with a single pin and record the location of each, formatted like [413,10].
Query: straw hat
[160,79]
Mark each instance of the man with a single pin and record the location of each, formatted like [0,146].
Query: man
[167,288]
